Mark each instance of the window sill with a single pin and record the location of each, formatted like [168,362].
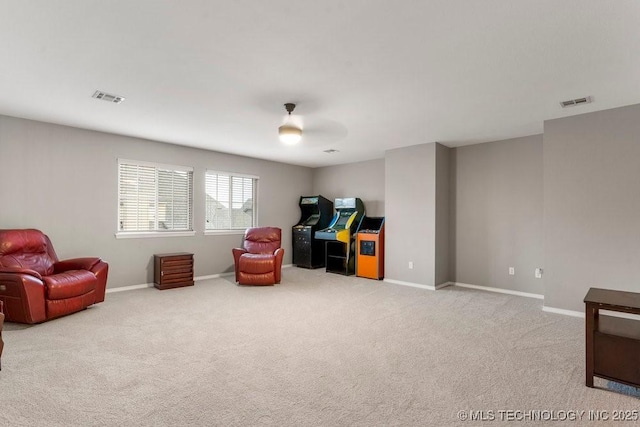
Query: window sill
[223,232]
[144,235]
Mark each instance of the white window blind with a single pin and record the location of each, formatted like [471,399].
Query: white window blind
[154,197]
[230,201]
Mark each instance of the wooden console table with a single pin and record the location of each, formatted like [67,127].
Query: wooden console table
[613,343]
[173,270]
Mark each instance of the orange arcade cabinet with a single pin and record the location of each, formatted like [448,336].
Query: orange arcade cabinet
[370,247]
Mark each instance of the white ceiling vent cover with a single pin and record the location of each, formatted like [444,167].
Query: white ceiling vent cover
[577,101]
[108,97]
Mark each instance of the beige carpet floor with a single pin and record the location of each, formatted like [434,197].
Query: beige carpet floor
[317,350]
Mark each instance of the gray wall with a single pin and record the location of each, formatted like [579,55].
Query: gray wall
[497,204]
[63,181]
[487,198]
[443,222]
[591,205]
[363,179]
[410,195]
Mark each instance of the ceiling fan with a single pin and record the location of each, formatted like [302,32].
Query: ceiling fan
[313,132]
[290,132]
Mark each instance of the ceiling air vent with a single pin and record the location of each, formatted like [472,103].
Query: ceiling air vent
[577,101]
[330,151]
[108,97]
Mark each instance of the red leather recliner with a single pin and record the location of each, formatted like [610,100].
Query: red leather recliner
[35,286]
[259,261]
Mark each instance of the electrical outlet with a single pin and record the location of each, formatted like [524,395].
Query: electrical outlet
[538,273]
[410,265]
[512,271]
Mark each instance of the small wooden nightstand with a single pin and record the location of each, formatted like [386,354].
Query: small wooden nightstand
[612,343]
[173,270]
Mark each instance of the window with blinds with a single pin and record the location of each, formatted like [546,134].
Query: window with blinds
[154,197]
[230,201]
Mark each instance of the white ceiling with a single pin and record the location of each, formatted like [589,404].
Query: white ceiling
[367,75]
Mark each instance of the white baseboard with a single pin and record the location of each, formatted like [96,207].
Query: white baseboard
[418,285]
[499,290]
[150,285]
[129,288]
[580,314]
[562,311]
[445,284]
[213,276]
[230,273]
[195,279]
[620,314]
[413,285]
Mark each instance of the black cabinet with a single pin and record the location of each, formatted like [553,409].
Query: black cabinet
[316,214]
[308,252]
[340,257]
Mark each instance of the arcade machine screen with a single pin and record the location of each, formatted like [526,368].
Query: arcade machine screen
[342,220]
[312,220]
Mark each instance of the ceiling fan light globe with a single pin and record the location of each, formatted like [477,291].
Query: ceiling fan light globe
[289,134]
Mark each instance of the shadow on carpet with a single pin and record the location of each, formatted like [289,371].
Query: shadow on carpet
[624,389]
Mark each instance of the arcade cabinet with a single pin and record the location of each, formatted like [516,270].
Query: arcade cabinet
[308,252]
[370,247]
[340,236]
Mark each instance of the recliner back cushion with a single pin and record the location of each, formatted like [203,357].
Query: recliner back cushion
[262,240]
[25,249]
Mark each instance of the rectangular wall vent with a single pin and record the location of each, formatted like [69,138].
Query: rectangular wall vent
[577,101]
[108,97]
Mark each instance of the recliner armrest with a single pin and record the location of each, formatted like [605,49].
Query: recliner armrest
[237,253]
[75,264]
[30,291]
[27,271]
[279,253]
